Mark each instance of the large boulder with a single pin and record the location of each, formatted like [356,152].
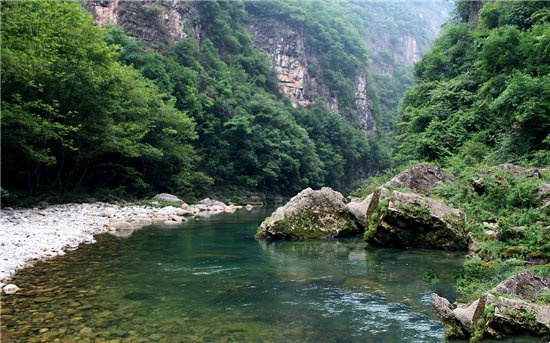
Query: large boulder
[510,308]
[421,178]
[165,197]
[310,214]
[409,220]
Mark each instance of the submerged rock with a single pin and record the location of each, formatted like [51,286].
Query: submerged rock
[310,214]
[510,308]
[409,220]
[421,178]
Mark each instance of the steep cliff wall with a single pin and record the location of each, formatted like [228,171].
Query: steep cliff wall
[397,34]
[156,22]
[160,22]
[297,67]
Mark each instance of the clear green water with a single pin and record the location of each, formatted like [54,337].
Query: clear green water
[209,280]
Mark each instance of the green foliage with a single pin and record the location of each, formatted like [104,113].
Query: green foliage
[113,114]
[369,185]
[74,118]
[485,86]
[508,199]
[430,277]
[248,138]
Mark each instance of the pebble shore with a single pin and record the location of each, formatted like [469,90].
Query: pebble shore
[28,235]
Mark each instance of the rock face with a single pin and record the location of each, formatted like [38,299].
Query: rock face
[421,178]
[507,309]
[156,22]
[409,220]
[358,210]
[310,214]
[293,60]
[161,22]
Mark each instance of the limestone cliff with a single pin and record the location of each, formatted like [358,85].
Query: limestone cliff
[296,67]
[155,22]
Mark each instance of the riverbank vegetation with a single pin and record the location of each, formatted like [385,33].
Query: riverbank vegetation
[482,98]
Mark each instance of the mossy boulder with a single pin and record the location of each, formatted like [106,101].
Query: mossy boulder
[310,214]
[409,220]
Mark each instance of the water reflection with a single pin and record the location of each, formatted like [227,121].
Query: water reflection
[209,280]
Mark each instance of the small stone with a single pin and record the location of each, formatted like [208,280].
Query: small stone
[10,289]
[89,239]
[43,299]
[86,332]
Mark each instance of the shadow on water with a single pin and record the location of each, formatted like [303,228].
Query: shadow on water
[209,280]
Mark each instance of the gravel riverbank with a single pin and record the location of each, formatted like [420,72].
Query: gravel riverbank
[27,235]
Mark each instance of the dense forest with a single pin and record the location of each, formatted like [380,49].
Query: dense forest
[87,109]
[482,90]
[90,110]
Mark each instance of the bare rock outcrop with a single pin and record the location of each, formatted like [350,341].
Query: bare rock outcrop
[421,178]
[409,220]
[310,214]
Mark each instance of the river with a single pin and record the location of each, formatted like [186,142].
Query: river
[209,280]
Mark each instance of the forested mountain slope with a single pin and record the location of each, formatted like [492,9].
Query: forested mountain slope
[483,91]
[197,99]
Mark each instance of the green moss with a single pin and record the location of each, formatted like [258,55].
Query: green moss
[374,218]
[308,224]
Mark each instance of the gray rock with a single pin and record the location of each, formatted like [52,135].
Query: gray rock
[409,220]
[310,214]
[421,178]
[122,226]
[358,210]
[524,285]
[168,198]
[502,316]
[89,239]
[544,194]
[444,310]
[212,203]
[520,171]
[168,211]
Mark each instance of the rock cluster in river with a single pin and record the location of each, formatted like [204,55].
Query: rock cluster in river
[38,233]
[391,218]
[509,308]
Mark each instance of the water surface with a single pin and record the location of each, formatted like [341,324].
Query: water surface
[209,280]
